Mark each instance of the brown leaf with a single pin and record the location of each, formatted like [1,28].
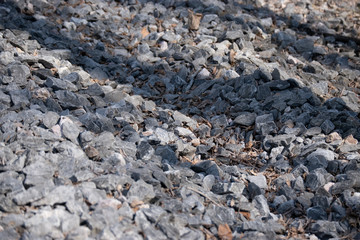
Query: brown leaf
[224,232]
[144,32]
[92,153]
[246,215]
[249,144]
[232,56]
[194,20]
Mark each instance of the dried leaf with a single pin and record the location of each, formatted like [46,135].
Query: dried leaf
[249,144]
[194,20]
[246,215]
[144,32]
[232,56]
[224,232]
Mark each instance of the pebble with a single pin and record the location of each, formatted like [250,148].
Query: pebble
[144,120]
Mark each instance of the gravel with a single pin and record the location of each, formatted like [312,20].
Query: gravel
[179,120]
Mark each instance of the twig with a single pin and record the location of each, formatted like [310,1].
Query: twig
[203,194]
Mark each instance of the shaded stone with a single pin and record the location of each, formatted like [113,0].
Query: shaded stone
[208,167]
[167,154]
[245,119]
[304,45]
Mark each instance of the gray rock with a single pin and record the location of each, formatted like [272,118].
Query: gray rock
[284,38]
[9,233]
[208,182]
[326,229]
[19,72]
[259,180]
[208,167]
[4,99]
[167,154]
[220,215]
[304,45]
[141,190]
[254,190]
[184,132]
[169,226]
[95,90]
[30,195]
[38,172]
[247,91]
[59,84]
[145,151]
[260,203]
[327,126]
[265,124]
[279,84]
[78,233]
[316,213]
[245,119]
[58,195]
[164,136]
[298,184]
[20,97]
[50,119]
[219,121]
[91,194]
[82,175]
[316,161]
[315,180]
[286,207]
[111,182]
[320,88]
[10,182]
[350,101]
[160,176]
[97,123]
[69,129]
[71,100]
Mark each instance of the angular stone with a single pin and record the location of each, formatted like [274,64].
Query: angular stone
[260,203]
[316,213]
[91,194]
[58,195]
[254,190]
[142,191]
[259,180]
[167,154]
[220,215]
[20,97]
[145,151]
[314,180]
[19,72]
[50,119]
[71,100]
[208,167]
[286,207]
[69,129]
[327,126]
[328,229]
[304,45]
[245,119]
[97,123]
[59,84]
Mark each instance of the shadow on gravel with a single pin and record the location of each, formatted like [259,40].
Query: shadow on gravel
[91,58]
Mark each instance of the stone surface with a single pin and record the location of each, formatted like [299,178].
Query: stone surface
[130,120]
